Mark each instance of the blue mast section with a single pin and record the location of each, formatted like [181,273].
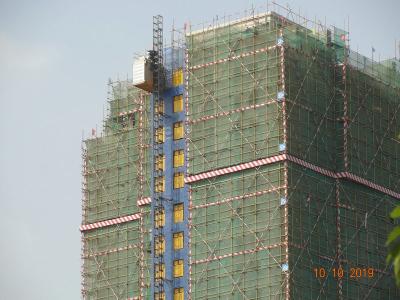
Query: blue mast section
[165,196]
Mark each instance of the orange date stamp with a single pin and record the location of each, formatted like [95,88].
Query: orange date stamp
[356,273]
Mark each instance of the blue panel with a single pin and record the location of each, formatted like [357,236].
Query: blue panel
[174,58]
[172,197]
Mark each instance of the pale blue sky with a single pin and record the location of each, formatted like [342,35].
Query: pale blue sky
[55,59]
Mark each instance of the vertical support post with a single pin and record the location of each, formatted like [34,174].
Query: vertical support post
[187,131]
[345,108]
[84,204]
[141,193]
[285,171]
[338,239]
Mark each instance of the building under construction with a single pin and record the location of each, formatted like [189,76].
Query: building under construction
[256,158]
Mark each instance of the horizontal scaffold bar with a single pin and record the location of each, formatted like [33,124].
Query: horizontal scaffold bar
[124,113]
[233,57]
[227,113]
[240,197]
[113,250]
[211,258]
[334,259]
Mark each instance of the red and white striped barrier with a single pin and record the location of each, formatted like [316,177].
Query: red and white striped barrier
[111,222]
[237,168]
[311,166]
[144,201]
[368,183]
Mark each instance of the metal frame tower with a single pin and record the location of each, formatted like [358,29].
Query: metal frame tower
[156,57]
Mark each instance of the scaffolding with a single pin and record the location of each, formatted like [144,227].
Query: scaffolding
[290,157]
[116,188]
[293,161]
[158,198]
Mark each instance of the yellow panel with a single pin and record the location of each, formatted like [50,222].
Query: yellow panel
[159,184]
[160,135]
[178,130]
[179,294]
[178,103]
[159,107]
[179,158]
[179,181]
[178,240]
[159,245]
[159,218]
[159,296]
[160,163]
[178,268]
[177,77]
[178,213]
[159,271]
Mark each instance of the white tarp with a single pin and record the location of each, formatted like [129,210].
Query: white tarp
[138,75]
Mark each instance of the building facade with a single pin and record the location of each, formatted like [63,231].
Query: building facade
[264,166]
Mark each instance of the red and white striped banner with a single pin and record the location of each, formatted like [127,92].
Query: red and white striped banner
[111,222]
[241,167]
[144,201]
[311,166]
[368,183]
[211,63]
